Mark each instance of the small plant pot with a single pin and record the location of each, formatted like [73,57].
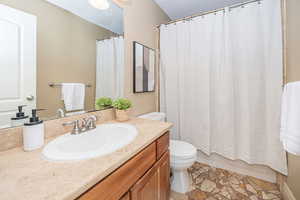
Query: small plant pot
[122,115]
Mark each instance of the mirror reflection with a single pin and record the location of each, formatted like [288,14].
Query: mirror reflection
[61,62]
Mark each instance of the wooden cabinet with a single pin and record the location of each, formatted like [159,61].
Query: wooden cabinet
[145,177]
[155,184]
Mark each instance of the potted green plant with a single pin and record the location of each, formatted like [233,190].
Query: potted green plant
[103,102]
[121,106]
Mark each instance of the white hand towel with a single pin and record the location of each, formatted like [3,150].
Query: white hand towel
[73,95]
[290,118]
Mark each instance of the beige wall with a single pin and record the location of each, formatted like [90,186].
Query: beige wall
[140,19]
[293,74]
[66,51]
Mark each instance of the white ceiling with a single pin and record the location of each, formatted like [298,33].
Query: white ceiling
[111,19]
[176,9]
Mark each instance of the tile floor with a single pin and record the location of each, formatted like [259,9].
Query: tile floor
[217,184]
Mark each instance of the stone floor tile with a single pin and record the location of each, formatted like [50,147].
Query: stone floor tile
[196,195]
[268,196]
[239,189]
[219,184]
[251,189]
[263,185]
[178,196]
[208,186]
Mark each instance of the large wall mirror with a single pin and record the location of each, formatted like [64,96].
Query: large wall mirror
[58,55]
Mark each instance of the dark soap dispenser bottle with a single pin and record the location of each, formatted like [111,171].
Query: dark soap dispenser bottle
[20,118]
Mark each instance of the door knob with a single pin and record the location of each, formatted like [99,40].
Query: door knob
[30,98]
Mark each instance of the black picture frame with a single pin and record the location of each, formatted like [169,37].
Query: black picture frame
[143,80]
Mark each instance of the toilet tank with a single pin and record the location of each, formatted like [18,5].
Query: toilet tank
[154,116]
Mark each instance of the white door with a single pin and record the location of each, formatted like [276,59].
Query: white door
[17,62]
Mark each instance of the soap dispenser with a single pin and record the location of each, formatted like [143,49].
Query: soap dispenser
[33,132]
[20,118]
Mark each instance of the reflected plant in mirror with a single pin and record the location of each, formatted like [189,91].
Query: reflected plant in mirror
[63,61]
[104,102]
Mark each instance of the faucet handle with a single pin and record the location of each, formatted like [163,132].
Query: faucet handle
[93,118]
[76,129]
[84,124]
[92,122]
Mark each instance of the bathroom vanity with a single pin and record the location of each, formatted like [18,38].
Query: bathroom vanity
[144,177]
[138,171]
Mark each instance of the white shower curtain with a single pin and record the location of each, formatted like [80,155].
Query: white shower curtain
[110,68]
[221,82]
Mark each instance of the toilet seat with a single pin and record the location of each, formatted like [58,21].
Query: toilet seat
[182,151]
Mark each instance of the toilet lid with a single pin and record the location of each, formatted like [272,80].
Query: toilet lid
[182,150]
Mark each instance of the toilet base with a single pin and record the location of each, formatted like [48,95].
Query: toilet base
[181,181]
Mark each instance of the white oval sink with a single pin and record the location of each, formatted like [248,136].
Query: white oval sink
[103,140]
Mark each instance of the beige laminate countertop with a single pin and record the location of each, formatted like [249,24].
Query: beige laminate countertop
[27,176]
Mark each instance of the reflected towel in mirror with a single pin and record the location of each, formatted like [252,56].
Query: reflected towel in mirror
[73,95]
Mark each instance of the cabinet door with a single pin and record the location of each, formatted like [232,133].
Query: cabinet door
[155,184]
[147,187]
[164,177]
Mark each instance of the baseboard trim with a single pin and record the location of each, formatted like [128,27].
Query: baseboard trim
[287,193]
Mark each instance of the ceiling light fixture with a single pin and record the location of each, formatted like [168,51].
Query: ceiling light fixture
[99,4]
[122,2]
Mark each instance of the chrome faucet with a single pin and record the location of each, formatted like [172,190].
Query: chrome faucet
[60,113]
[86,125]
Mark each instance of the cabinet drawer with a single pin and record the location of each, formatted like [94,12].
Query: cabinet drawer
[120,181]
[162,145]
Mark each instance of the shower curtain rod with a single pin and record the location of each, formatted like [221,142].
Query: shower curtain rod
[122,35]
[209,12]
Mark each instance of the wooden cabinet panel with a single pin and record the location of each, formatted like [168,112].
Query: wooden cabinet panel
[126,196]
[162,145]
[164,177]
[155,184]
[119,182]
[147,187]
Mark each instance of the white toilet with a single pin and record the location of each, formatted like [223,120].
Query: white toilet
[183,156]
